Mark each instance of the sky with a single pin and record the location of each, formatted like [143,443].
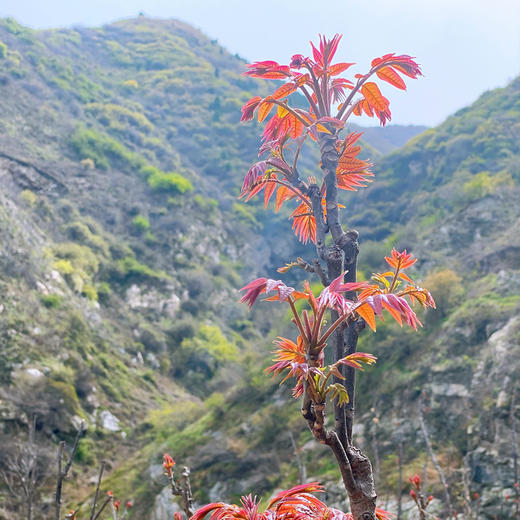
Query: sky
[465,47]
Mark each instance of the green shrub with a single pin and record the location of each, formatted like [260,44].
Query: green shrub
[66,395]
[484,183]
[183,328]
[79,256]
[447,290]
[131,84]
[28,196]
[51,301]
[140,223]
[210,344]
[245,214]
[77,263]
[206,204]
[63,267]
[102,149]
[129,268]
[119,117]
[81,232]
[148,170]
[85,453]
[3,50]
[89,292]
[169,182]
[104,291]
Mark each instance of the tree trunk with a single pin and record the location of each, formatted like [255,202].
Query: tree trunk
[341,257]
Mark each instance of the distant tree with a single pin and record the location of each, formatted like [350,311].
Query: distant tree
[23,471]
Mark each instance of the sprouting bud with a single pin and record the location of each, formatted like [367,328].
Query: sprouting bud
[168,463]
[415,480]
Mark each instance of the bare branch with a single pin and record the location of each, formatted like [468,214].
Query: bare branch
[103,505]
[187,497]
[62,474]
[434,458]
[96,494]
[302,468]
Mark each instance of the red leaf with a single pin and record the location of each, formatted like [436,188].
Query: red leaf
[367,313]
[267,70]
[296,126]
[304,223]
[373,95]
[389,75]
[270,188]
[284,90]
[249,108]
[338,68]
[264,109]
[282,195]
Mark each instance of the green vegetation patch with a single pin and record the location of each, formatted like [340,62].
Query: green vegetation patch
[103,149]
[169,182]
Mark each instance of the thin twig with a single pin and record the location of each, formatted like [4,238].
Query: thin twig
[515,455]
[434,459]
[107,500]
[114,512]
[96,494]
[62,474]
[302,469]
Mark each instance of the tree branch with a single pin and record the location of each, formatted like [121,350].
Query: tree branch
[62,474]
[103,505]
[434,458]
[96,494]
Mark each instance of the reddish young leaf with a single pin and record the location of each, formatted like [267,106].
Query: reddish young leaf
[352,173]
[389,75]
[367,313]
[249,108]
[296,126]
[304,223]
[373,95]
[264,109]
[270,187]
[283,194]
[338,68]
[400,260]
[255,173]
[403,63]
[284,90]
[267,70]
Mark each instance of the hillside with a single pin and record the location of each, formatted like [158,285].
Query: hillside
[123,244]
[121,156]
[452,195]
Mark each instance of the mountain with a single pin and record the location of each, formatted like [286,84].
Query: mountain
[121,157]
[389,138]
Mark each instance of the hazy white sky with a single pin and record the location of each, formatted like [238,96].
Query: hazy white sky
[465,46]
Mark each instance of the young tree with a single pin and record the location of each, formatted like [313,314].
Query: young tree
[331,100]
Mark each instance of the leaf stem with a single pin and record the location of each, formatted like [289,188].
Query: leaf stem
[297,318]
